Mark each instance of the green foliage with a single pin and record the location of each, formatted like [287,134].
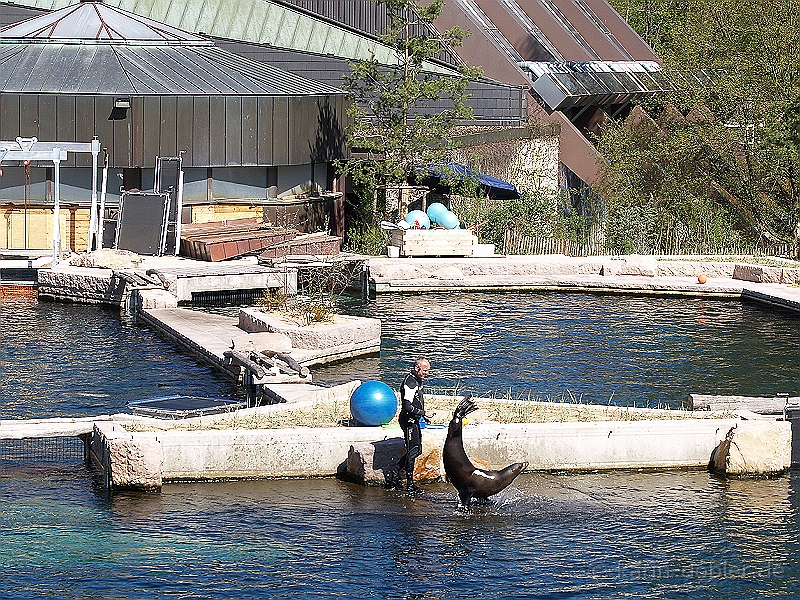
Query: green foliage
[535,215]
[396,121]
[721,160]
[366,238]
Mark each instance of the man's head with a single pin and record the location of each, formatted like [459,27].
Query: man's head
[422,367]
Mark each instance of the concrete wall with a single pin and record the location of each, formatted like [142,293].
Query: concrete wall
[525,157]
[78,284]
[302,452]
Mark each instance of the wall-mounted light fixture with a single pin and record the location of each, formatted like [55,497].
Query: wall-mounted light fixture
[120,110]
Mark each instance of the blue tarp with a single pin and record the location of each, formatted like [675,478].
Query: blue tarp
[494,187]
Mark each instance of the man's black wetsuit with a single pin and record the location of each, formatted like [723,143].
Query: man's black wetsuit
[412,410]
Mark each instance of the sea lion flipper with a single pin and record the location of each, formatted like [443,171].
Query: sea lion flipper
[464,407]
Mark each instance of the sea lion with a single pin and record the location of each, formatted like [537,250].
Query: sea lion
[470,481]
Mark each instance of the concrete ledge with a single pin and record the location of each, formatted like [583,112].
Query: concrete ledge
[19,429]
[141,459]
[344,332]
[687,443]
[773,405]
[127,461]
[779,296]
[204,335]
[80,284]
[597,275]
[237,453]
[183,285]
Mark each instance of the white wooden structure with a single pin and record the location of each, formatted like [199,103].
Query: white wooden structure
[27,150]
[434,242]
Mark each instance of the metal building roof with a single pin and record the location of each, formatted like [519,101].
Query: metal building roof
[88,21]
[91,48]
[261,22]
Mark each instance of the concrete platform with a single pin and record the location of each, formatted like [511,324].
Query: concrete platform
[606,275]
[113,278]
[147,459]
[19,429]
[208,336]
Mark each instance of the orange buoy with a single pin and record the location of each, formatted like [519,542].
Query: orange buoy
[702,279]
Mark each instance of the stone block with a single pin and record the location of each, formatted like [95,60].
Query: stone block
[368,463]
[790,276]
[345,330]
[154,298]
[753,448]
[694,268]
[636,264]
[448,273]
[128,461]
[762,274]
[611,267]
[78,284]
[752,273]
[107,258]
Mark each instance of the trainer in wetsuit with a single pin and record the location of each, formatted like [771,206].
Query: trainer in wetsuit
[412,410]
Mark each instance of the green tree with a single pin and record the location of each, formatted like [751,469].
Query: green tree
[721,153]
[404,114]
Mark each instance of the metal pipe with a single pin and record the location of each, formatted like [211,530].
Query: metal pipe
[179,210]
[92,242]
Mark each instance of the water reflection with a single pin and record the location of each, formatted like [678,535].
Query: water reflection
[626,350]
[601,535]
[78,360]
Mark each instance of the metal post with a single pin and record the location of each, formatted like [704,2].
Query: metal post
[101,215]
[179,208]
[93,228]
[56,207]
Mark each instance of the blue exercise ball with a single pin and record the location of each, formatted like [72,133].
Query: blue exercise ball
[449,220]
[435,211]
[373,403]
[419,218]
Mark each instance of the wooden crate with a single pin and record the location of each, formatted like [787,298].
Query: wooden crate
[433,242]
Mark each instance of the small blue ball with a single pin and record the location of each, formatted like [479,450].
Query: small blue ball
[373,403]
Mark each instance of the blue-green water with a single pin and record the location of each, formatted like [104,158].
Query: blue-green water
[599,349]
[602,535]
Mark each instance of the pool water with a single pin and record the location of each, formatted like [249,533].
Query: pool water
[600,349]
[549,535]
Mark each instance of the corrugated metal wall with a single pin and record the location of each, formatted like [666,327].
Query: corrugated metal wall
[493,103]
[362,15]
[213,130]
